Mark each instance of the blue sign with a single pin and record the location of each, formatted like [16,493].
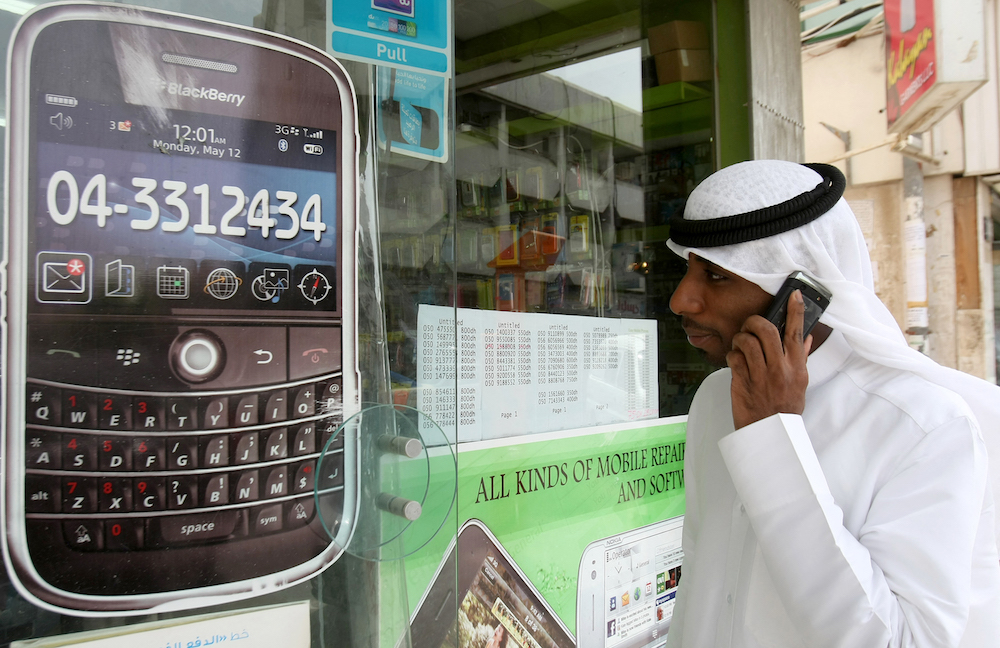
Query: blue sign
[412,113]
[407,34]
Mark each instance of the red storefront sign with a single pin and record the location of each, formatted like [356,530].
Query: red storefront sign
[910,59]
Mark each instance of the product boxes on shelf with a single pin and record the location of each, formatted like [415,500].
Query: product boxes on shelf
[684,65]
[677,34]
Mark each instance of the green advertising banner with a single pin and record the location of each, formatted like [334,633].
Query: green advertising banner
[546,498]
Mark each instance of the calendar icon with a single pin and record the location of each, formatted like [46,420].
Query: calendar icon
[172,282]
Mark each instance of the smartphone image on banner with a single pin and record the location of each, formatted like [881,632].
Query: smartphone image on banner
[492,596]
[627,586]
[180,335]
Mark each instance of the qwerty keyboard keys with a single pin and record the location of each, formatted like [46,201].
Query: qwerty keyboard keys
[84,535]
[333,472]
[215,453]
[248,487]
[277,483]
[79,409]
[299,513]
[328,434]
[123,535]
[79,495]
[44,406]
[331,398]
[215,490]
[247,448]
[276,407]
[194,527]
[43,451]
[304,441]
[305,477]
[114,412]
[182,492]
[149,454]
[79,452]
[148,414]
[182,453]
[216,413]
[150,494]
[182,414]
[188,459]
[114,495]
[267,519]
[276,446]
[114,453]
[304,403]
[246,412]
[42,494]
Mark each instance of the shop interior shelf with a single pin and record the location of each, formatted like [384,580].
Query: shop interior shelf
[672,94]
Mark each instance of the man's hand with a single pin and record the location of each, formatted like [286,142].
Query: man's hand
[768,378]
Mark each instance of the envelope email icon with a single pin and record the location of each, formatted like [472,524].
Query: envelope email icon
[58,278]
[63,277]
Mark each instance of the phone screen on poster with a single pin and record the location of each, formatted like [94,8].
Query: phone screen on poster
[627,587]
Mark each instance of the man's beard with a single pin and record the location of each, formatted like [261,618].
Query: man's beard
[715,360]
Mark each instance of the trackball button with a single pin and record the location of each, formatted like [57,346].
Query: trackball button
[197,356]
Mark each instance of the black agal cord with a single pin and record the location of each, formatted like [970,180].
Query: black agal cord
[761,223]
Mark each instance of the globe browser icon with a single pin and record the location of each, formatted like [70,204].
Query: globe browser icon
[222,283]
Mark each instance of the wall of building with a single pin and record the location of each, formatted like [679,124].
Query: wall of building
[884,236]
[939,219]
[982,110]
[980,331]
[775,74]
[844,86]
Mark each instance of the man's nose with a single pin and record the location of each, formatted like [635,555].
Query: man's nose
[686,299]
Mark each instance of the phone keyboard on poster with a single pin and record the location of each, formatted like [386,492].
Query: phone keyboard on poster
[132,471]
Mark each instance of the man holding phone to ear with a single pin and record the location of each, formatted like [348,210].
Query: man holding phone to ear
[837,486]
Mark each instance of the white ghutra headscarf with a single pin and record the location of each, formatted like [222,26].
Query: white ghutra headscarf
[832,249]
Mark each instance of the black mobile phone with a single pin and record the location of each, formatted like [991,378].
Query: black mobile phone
[480,581]
[814,294]
[180,329]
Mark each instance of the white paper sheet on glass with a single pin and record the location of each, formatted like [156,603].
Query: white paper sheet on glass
[523,373]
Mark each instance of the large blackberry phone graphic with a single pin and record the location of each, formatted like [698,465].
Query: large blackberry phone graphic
[180,328]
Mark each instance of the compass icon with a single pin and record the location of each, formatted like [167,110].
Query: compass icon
[315,286]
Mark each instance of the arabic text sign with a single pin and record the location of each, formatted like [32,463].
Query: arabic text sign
[283,625]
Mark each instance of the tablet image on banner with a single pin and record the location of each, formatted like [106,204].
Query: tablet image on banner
[627,587]
[498,607]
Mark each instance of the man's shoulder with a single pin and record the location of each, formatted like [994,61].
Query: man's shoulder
[713,392]
[929,405]
[718,380]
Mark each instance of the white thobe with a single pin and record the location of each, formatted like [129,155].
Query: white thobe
[865,522]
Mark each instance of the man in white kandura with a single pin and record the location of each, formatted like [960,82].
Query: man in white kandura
[837,487]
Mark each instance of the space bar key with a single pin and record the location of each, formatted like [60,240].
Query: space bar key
[197,527]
